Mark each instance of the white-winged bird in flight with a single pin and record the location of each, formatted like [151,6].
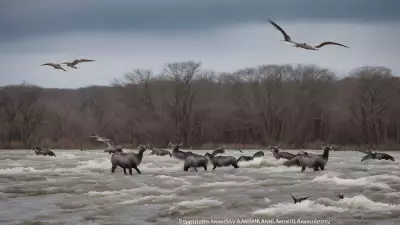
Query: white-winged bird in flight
[76,62]
[289,40]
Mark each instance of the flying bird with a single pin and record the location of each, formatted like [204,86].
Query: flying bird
[110,146]
[98,138]
[76,62]
[298,200]
[302,45]
[339,195]
[240,150]
[54,65]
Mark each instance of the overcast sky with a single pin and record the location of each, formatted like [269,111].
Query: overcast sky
[225,35]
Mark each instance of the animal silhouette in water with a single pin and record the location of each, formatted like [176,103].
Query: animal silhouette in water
[176,152]
[311,161]
[245,158]
[339,195]
[250,158]
[127,160]
[195,161]
[218,151]
[159,152]
[298,200]
[220,161]
[41,151]
[258,154]
[277,154]
[376,155]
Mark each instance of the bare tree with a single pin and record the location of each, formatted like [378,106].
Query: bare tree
[11,104]
[296,106]
[31,115]
[182,76]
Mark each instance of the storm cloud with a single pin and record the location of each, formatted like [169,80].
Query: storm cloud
[223,34]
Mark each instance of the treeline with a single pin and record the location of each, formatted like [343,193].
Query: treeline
[296,106]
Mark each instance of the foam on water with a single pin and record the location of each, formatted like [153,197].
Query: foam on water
[370,181]
[80,185]
[287,208]
[356,203]
[225,184]
[362,202]
[21,170]
[188,207]
[151,199]
[102,163]
[123,192]
[170,179]
[260,162]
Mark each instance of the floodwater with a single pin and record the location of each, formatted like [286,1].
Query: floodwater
[78,188]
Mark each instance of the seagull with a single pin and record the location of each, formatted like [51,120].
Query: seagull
[98,138]
[298,200]
[75,62]
[108,142]
[54,65]
[302,45]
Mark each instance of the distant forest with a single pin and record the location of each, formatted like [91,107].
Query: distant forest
[296,106]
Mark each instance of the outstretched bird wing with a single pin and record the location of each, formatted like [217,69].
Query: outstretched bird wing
[54,65]
[294,199]
[105,141]
[84,60]
[304,198]
[49,64]
[73,63]
[329,43]
[98,138]
[109,144]
[287,37]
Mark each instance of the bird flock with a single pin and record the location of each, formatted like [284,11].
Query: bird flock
[287,39]
[58,66]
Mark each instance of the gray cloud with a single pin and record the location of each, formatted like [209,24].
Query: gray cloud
[25,18]
[226,49]
[225,35]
